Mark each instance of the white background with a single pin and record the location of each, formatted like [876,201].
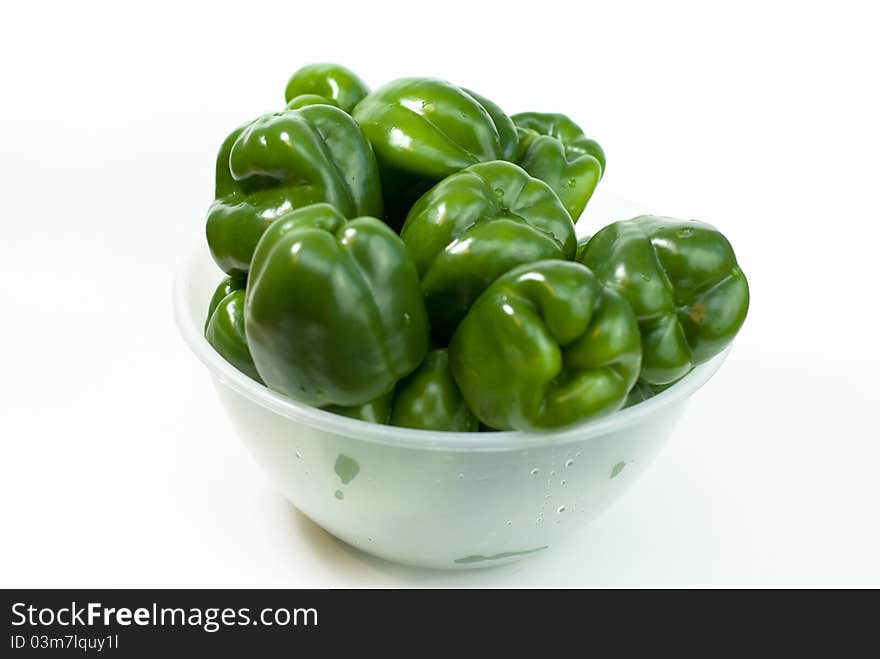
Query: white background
[117,465]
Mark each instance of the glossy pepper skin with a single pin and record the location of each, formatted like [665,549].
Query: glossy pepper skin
[581,247]
[546,346]
[307,99]
[333,82]
[426,399]
[224,288]
[333,312]
[643,391]
[373,411]
[476,225]
[684,284]
[281,162]
[508,135]
[430,128]
[554,149]
[429,399]
[225,327]
[422,130]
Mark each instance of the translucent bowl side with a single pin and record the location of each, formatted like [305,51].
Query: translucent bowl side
[432,499]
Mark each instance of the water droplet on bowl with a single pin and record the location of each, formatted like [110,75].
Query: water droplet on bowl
[460,476]
[509,522]
[535,471]
[299,456]
[560,510]
[569,462]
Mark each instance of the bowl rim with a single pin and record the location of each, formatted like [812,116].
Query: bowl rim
[322,420]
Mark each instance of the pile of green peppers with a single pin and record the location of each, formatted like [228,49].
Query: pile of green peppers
[408,256]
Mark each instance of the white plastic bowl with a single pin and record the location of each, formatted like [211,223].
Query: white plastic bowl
[432,499]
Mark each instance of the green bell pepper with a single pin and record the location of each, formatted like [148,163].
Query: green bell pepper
[429,399]
[224,288]
[643,391]
[554,149]
[334,315]
[373,411]
[224,328]
[476,225]
[281,162]
[684,284]
[422,130]
[581,247]
[431,128]
[545,346]
[338,85]
[426,399]
[307,99]
[508,135]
